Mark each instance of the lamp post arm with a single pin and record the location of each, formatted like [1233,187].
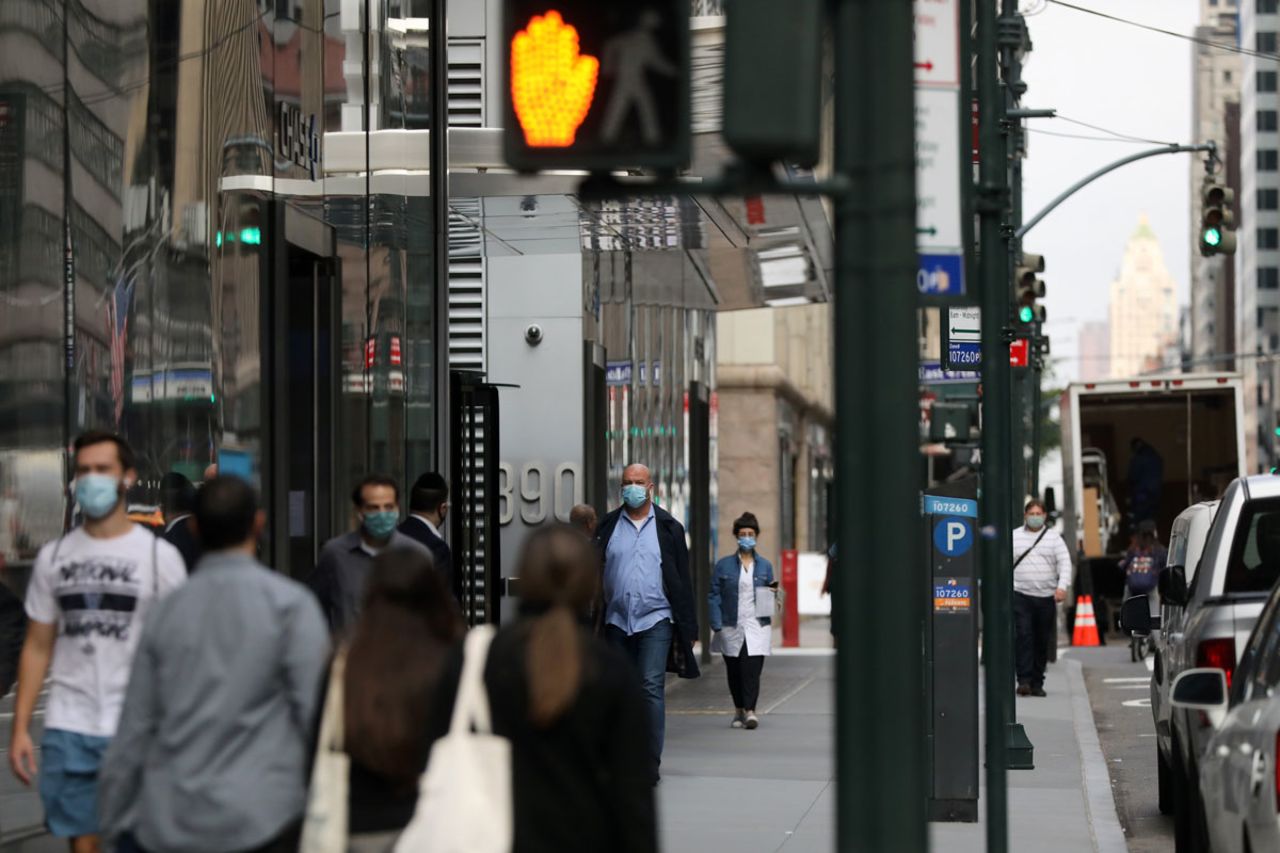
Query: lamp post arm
[1123,161]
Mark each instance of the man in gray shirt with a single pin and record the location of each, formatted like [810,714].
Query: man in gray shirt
[214,739]
[345,560]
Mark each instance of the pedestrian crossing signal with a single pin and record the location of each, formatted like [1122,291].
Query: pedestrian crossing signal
[596,86]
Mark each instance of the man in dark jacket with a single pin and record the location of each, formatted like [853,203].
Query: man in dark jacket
[647,607]
[428,508]
[178,503]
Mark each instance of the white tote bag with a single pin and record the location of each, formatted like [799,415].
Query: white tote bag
[324,829]
[464,797]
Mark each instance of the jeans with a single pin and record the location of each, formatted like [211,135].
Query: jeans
[1034,623]
[744,678]
[648,651]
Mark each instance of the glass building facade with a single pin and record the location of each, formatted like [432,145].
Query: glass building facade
[195,253]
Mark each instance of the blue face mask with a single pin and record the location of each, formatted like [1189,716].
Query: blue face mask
[1035,522]
[634,496]
[747,543]
[97,494]
[380,525]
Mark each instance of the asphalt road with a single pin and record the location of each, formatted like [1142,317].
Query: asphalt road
[1119,693]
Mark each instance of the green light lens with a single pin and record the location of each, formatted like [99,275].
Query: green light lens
[1026,314]
[250,236]
[1212,237]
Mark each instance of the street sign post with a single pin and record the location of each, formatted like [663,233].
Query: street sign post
[937,43]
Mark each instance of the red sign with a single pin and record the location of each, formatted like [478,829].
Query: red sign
[370,353]
[395,350]
[791,607]
[1019,353]
[755,210]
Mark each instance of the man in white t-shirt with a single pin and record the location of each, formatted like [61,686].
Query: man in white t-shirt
[89,593]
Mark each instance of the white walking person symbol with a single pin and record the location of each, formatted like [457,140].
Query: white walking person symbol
[627,58]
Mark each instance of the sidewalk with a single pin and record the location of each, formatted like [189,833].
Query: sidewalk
[772,789]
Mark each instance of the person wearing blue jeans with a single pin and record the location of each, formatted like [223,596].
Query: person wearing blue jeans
[647,607]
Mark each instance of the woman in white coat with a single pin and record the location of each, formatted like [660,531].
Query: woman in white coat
[740,605]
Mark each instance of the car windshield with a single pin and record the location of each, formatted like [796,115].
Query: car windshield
[1255,553]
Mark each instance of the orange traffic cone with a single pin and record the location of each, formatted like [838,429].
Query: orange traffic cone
[1086,628]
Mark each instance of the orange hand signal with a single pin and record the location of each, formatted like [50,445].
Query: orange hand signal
[551,83]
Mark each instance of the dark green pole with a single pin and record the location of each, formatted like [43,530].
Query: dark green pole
[881,782]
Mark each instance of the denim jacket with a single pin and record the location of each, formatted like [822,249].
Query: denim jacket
[722,600]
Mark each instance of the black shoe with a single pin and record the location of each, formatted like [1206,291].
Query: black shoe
[1038,691]
[1024,689]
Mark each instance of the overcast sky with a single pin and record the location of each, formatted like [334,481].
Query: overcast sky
[1127,80]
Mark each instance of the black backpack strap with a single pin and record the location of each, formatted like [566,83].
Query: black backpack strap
[1032,548]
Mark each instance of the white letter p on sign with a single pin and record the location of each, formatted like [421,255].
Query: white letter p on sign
[955,532]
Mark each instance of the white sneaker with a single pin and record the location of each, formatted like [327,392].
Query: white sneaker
[752,720]
[739,718]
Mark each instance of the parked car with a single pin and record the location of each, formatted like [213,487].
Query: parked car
[1186,544]
[1238,807]
[1220,604]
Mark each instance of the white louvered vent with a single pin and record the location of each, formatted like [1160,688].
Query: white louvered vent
[466,285]
[466,84]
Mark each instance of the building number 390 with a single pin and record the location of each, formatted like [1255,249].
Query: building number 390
[540,494]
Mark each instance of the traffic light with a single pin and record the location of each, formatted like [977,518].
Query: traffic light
[1217,223]
[1027,288]
[596,86]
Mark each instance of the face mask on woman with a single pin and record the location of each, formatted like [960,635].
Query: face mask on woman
[1035,522]
[746,543]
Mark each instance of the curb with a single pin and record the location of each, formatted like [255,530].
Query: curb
[1104,824]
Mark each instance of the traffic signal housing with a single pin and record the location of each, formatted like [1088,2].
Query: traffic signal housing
[1217,222]
[595,86]
[1027,288]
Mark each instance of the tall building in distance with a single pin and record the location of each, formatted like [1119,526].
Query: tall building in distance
[1215,99]
[1144,307]
[1257,291]
[1094,350]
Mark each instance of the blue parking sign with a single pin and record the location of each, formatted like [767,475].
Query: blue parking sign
[953,536]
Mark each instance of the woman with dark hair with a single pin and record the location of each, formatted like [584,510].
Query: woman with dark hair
[391,662]
[740,608]
[571,707]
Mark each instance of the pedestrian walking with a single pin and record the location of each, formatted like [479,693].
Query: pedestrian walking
[428,509]
[583,519]
[740,607]
[344,563]
[570,707]
[647,608]
[90,593]
[1041,577]
[388,672]
[177,504]
[212,750]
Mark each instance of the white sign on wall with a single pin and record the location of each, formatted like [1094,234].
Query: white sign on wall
[938,171]
[937,50]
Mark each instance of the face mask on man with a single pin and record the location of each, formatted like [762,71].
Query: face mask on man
[634,496]
[1035,522]
[380,525]
[97,494]
[747,543]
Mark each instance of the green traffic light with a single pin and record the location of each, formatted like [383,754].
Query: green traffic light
[1212,237]
[1026,313]
[250,236]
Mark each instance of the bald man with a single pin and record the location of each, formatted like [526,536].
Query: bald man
[648,609]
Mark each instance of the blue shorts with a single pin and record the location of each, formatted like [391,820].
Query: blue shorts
[69,765]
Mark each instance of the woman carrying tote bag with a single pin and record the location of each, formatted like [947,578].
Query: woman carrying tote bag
[568,705]
[372,744]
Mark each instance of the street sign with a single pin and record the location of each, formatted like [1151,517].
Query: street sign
[940,275]
[938,199]
[937,51]
[596,86]
[933,373]
[1018,353]
[963,336]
